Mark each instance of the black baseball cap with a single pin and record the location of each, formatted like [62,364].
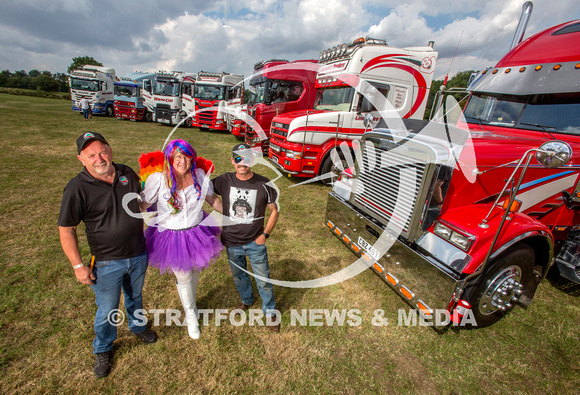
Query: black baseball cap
[239,149]
[87,137]
[243,152]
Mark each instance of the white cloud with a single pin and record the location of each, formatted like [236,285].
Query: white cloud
[230,35]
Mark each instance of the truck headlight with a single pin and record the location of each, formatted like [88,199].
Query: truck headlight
[442,231]
[293,154]
[454,237]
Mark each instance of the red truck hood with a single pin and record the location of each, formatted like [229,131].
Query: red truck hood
[494,146]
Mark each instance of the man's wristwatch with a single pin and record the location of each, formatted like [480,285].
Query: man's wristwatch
[78,266]
[266,234]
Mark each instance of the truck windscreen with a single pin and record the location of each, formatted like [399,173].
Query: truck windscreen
[553,113]
[86,85]
[334,99]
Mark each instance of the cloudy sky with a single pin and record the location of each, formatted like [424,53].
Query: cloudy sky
[232,35]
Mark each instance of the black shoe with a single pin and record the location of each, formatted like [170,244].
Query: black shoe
[242,306]
[272,325]
[103,364]
[147,336]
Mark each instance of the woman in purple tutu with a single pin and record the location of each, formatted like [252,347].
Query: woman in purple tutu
[182,238]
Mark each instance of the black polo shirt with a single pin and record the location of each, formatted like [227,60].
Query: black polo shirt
[111,232]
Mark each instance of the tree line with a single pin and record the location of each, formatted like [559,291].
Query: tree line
[35,80]
[44,80]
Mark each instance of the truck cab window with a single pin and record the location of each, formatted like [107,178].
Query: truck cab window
[334,99]
[555,113]
[285,91]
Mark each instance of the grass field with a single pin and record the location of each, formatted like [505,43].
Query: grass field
[46,315]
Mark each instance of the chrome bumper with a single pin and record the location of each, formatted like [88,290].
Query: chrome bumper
[279,166]
[422,282]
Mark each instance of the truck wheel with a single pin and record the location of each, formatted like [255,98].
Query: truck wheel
[148,116]
[500,286]
[110,111]
[187,122]
[329,166]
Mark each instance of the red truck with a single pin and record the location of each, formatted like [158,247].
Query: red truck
[277,87]
[476,237]
[213,94]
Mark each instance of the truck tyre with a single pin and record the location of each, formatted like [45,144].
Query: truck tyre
[148,116]
[110,111]
[328,166]
[497,290]
[187,123]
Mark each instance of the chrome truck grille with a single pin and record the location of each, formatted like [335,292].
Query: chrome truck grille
[393,182]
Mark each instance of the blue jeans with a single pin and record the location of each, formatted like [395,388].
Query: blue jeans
[258,256]
[86,113]
[112,276]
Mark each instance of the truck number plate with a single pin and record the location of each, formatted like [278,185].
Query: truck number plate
[372,251]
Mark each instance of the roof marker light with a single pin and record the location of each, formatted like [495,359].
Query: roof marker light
[522,69]
[539,67]
[557,67]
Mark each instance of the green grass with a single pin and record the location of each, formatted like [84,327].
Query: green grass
[46,315]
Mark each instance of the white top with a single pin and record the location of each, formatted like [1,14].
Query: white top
[191,213]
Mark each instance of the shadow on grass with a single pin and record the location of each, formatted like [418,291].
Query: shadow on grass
[561,283]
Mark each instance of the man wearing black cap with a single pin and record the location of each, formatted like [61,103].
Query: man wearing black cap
[119,257]
[245,196]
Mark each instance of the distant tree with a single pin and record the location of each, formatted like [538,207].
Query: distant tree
[33,73]
[5,75]
[459,80]
[62,80]
[80,61]
[45,83]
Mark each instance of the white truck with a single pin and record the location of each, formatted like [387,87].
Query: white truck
[164,95]
[96,84]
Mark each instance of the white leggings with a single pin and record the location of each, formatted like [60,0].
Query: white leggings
[186,277]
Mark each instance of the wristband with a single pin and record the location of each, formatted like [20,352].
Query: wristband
[266,234]
[78,266]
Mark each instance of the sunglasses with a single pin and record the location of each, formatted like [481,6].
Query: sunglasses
[239,159]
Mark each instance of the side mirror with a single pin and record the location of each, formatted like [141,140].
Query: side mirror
[554,154]
[368,121]
[147,85]
[366,106]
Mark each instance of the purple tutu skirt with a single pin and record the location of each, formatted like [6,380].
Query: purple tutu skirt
[194,248]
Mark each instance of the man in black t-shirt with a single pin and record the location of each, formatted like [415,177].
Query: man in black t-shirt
[119,257]
[245,196]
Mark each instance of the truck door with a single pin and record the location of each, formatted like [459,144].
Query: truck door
[372,101]
[147,93]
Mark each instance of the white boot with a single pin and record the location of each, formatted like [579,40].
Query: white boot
[187,295]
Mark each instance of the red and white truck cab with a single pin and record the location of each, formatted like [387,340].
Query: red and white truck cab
[210,96]
[400,80]
[277,87]
[477,236]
